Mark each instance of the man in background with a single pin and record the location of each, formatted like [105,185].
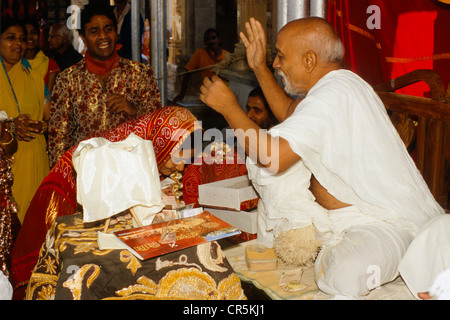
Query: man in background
[60,42]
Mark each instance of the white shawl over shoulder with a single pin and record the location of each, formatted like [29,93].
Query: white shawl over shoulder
[342,132]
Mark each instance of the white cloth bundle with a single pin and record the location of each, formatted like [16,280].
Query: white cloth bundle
[427,257]
[6,290]
[115,176]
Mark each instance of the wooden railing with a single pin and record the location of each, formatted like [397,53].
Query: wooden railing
[431,118]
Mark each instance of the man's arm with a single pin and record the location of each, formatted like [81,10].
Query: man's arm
[280,103]
[272,153]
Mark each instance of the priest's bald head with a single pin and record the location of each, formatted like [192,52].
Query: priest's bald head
[307,49]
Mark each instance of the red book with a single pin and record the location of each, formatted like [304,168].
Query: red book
[165,237]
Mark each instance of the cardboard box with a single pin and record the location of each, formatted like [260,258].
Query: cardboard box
[245,221]
[230,194]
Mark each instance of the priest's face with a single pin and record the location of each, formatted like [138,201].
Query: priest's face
[290,65]
[100,37]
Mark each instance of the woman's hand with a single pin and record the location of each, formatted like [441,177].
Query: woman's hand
[26,128]
[7,140]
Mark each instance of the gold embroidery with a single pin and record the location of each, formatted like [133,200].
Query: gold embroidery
[145,285]
[52,211]
[187,284]
[46,293]
[134,264]
[75,283]
[204,255]
[84,247]
[230,288]
[50,265]
[183,284]
[42,285]
[182,261]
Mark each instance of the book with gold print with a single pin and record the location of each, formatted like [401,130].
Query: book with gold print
[165,237]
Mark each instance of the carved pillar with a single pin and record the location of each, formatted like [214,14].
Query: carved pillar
[246,10]
[175,41]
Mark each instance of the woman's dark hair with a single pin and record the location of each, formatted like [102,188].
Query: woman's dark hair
[96,8]
[8,22]
[34,23]
[257,92]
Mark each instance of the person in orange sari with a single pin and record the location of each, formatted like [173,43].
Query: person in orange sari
[57,194]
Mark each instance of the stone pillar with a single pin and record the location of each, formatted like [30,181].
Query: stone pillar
[288,10]
[319,8]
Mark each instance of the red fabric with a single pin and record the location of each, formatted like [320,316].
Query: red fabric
[210,169]
[101,67]
[24,8]
[413,35]
[52,68]
[166,127]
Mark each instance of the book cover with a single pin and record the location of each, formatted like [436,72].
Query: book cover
[165,237]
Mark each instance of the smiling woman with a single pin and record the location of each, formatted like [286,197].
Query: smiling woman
[48,68]
[22,94]
[13,45]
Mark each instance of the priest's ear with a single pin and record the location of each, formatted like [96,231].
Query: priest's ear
[310,60]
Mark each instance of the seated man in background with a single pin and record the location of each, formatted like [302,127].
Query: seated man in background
[101,91]
[60,42]
[258,110]
[375,197]
[210,55]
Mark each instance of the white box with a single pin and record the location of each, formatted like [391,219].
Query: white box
[231,194]
[243,220]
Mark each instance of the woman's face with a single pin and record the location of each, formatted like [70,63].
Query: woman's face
[12,45]
[177,161]
[32,37]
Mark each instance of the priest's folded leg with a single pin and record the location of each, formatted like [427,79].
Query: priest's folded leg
[361,256]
